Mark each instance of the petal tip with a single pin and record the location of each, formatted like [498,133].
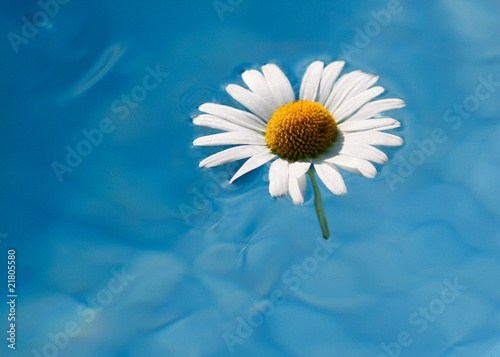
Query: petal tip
[204,105]
[342,192]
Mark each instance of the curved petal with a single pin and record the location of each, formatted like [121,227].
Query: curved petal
[310,81]
[328,78]
[252,163]
[251,101]
[379,106]
[298,189]
[297,184]
[366,152]
[373,137]
[354,165]
[231,138]
[279,84]
[369,124]
[234,115]
[350,106]
[213,122]
[331,177]
[362,85]
[340,86]
[233,154]
[278,178]
[258,84]
[348,85]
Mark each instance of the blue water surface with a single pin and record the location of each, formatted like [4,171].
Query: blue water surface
[125,247]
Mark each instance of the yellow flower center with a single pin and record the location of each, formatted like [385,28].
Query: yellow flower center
[300,130]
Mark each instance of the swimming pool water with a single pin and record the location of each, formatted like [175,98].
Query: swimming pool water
[125,247]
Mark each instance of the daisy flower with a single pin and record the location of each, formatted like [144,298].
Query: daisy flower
[334,124]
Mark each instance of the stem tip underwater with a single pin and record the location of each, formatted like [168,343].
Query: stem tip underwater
[318,203]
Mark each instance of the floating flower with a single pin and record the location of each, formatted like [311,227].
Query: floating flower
[334,124]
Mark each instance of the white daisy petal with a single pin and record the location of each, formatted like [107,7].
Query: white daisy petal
[331,177]
[348,85]
[278,178]
[297,184]
[388,127]
[339,86]
[363,84]
[354,165]
[299,168]
[234,115]
[251,101]
[360,125]
[231,138]
[379,106]
[328,78]
[366,152]
[253,163]
[373,137]
[348,107]
[213,122]
[258,84]
[279,84]
[298,189]
[310,81]
[233,154]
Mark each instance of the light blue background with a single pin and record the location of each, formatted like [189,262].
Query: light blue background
[198,253]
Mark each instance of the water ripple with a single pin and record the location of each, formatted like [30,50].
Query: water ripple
[100,68]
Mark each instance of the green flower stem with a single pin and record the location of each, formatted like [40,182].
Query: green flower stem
[318,203]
